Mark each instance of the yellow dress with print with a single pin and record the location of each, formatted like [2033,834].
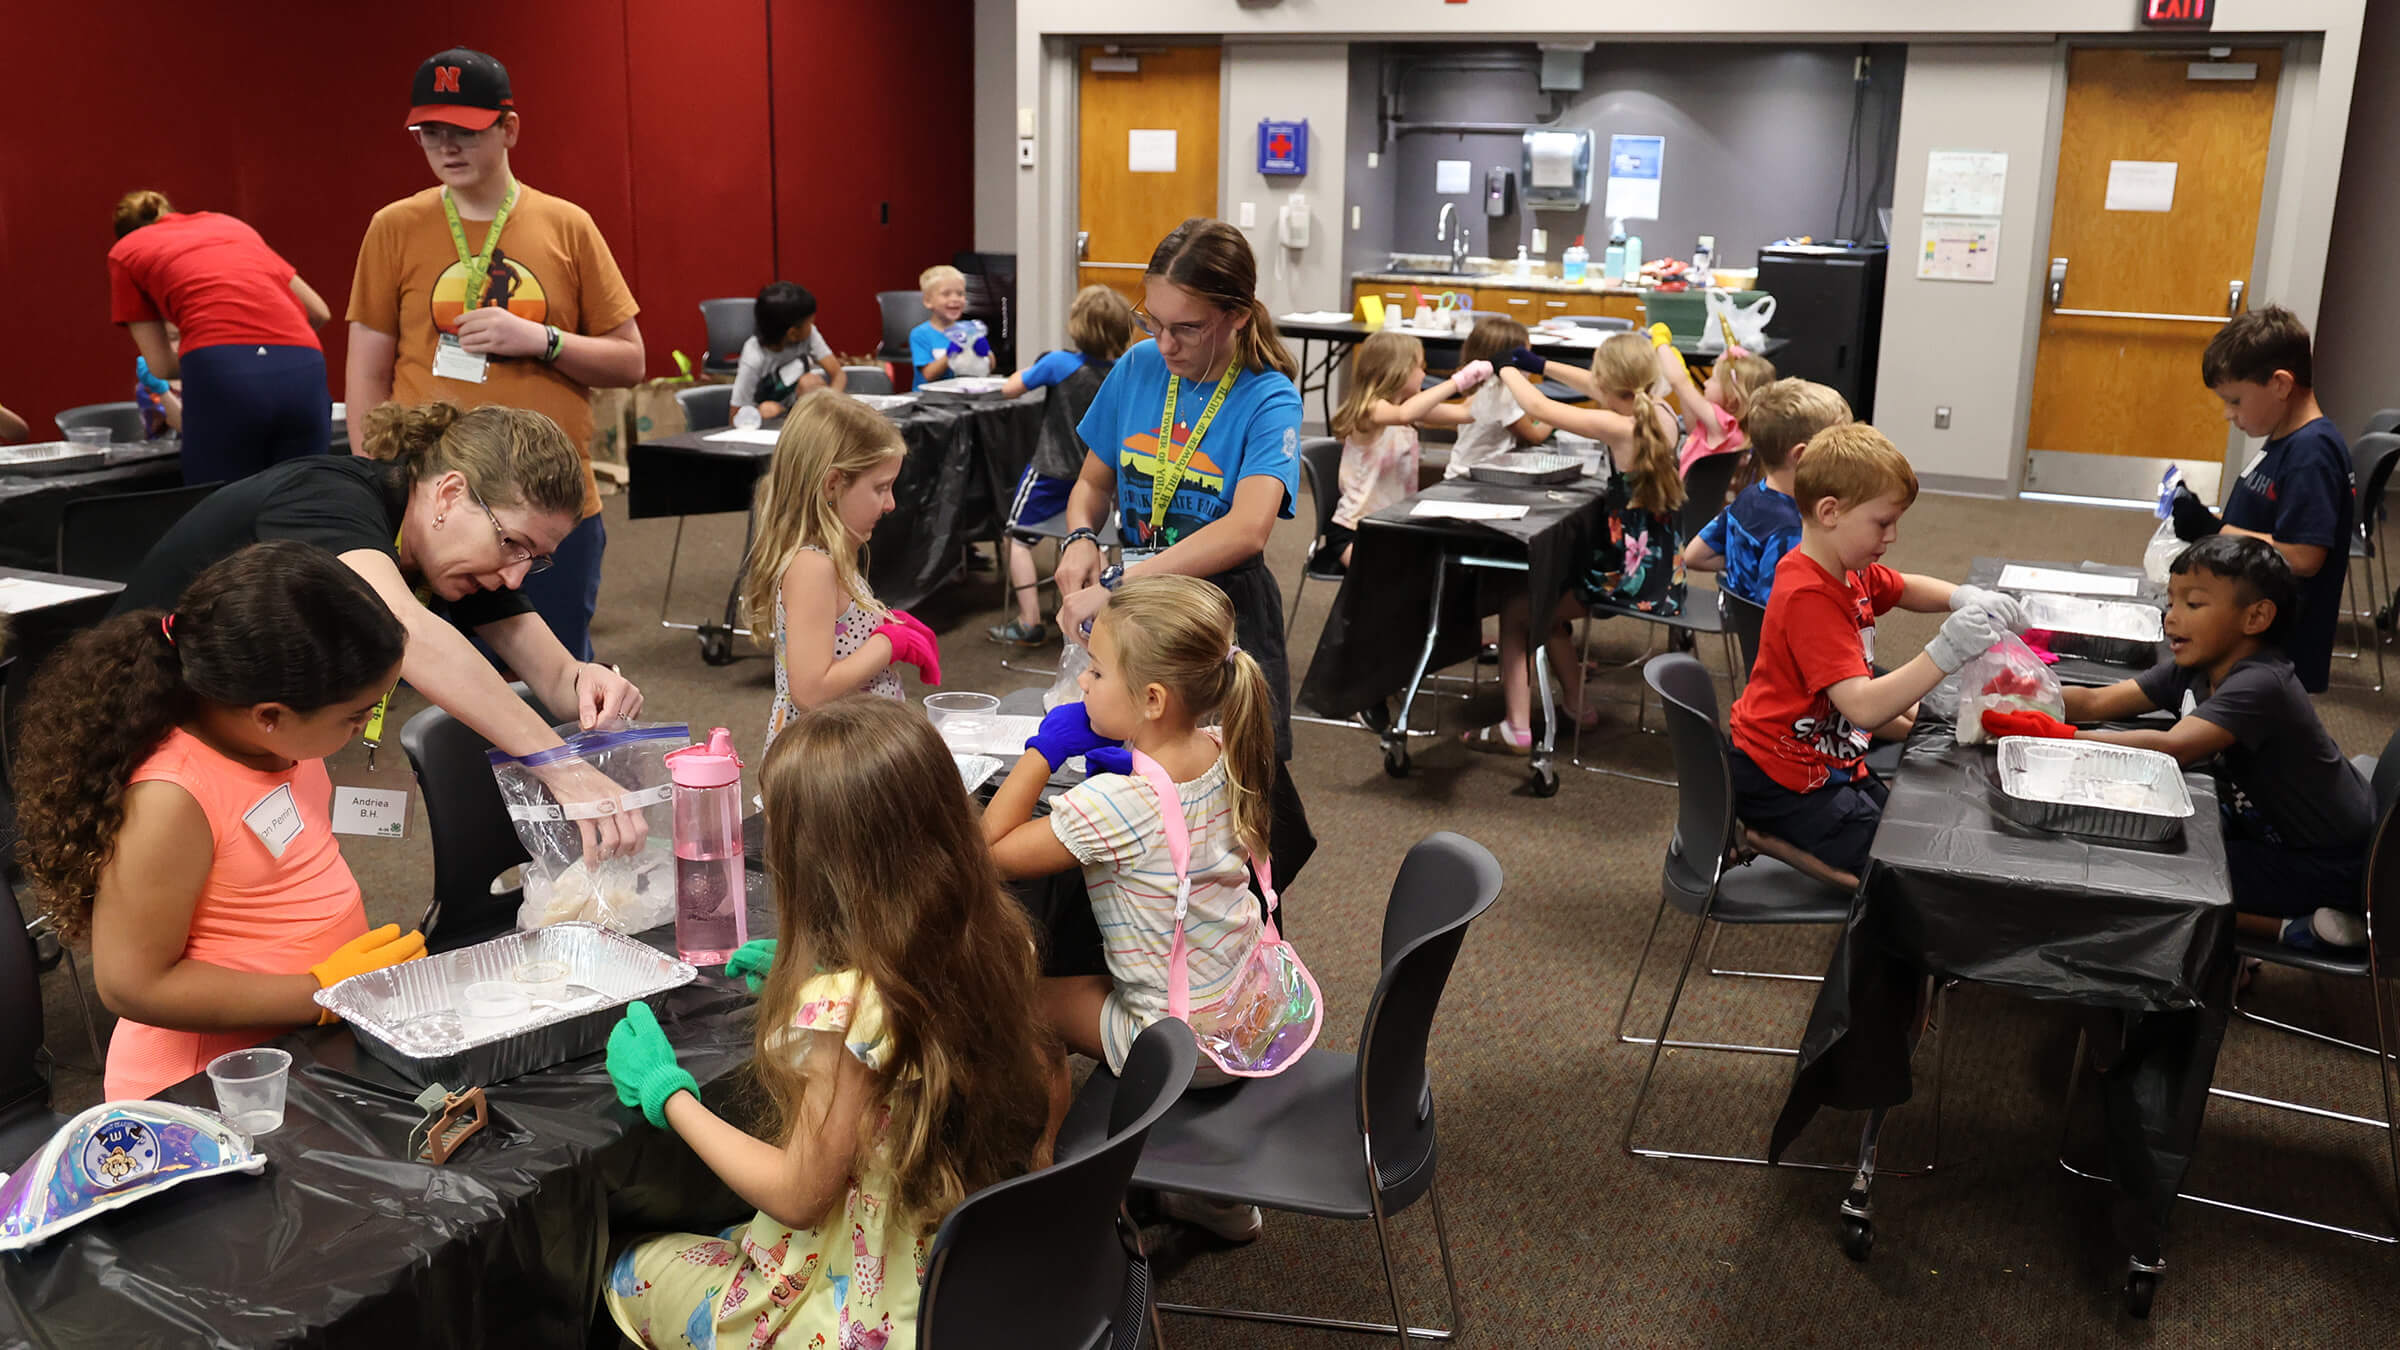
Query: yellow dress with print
[850,1283]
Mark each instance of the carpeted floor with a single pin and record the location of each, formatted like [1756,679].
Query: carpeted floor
[1559,1237]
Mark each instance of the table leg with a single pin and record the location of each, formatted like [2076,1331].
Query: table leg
[1395,736]
[1858,1206]
[1544,770]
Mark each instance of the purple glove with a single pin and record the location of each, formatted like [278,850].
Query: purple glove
[1067,732]
[1530,361]
[913,644]
[983,346]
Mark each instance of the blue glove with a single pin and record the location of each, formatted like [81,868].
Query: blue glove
[1065,733]
[983,346]
[143,377]
[1108,759]
[1528,360]
[641,1062]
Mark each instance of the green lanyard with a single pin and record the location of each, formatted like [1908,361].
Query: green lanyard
[478,265]
[1170,473]
[371,735]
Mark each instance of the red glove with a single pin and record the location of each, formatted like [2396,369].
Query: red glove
[913,644]
[2025,722]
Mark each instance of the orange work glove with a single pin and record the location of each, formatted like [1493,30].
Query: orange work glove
[2025,722]
[373,950]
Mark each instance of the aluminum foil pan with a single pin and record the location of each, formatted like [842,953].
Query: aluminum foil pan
[2092,788]
[503,1008]
[1527,468]
[2115,631]
[51,457]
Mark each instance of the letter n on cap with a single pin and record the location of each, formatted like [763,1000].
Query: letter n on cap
[445,79]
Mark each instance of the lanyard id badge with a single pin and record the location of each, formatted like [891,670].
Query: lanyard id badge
[374,803]
[451,361]
[1170,473]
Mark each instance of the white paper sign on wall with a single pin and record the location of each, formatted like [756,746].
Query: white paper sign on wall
[1150,151]
[2141,185]
[1450,176]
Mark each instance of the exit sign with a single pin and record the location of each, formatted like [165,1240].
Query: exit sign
[2178,13]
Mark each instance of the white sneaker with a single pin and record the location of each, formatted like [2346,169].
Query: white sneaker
[1229,1220]
[2339,927]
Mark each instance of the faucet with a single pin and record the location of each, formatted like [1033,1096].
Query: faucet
[1443,227]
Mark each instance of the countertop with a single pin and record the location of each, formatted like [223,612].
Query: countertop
[1497,281]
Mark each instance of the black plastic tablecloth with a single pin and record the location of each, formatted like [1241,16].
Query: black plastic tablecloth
[2141,939]
[964,455]
[1376,631]
[30,506]
[345,1243]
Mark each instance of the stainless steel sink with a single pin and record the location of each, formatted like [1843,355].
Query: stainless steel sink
[1431,272]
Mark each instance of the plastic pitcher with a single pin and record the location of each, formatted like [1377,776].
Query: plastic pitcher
[711,914]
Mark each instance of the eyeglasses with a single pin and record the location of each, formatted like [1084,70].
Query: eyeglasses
[510,548]
[1181,334]
[436,135]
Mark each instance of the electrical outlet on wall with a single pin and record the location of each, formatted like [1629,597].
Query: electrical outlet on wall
[1024,154]
[1248,215]
[1941,418]
[1354,216]
[1373,159]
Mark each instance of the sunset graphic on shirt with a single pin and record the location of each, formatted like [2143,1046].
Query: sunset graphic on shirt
[511,284]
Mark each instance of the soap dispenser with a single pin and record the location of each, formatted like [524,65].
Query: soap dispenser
[1612,263]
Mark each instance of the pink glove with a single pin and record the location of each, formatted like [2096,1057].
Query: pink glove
[903,616]
[1471,374]
[913,644]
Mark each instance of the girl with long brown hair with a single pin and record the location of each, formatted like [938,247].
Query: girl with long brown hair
[899,1046]
[1378,421]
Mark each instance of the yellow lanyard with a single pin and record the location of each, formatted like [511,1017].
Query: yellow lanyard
[371,735]
[478,265]
[1170,473]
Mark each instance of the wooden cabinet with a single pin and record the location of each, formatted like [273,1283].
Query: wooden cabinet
[1525,305]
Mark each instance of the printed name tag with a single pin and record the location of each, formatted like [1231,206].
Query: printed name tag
[275,819]
[1866,640]
[454,362]
[377,813]
[2190,702]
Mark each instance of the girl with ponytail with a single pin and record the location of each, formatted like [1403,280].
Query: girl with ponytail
[173,802]
[1636,563]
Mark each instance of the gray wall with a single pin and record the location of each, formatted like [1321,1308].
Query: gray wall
[1756,138]
[1288,81]
[996,126]
[1365,248]
[2358,364]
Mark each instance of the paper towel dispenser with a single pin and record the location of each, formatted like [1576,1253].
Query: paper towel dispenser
[1558,170]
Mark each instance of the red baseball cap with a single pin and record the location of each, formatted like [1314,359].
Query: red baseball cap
[461,87]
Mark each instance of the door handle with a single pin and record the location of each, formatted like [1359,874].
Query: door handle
[2058,281]
[2233,298]
[1083,249]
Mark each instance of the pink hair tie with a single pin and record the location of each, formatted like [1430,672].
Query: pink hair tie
[166,628]
[1232,652]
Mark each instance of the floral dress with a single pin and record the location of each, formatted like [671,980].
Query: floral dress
[850,1283]
[1638,564]
[850,632]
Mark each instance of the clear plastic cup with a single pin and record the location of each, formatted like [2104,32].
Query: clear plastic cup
[250,1088]
[2048,766]
[87,435]
[963,720]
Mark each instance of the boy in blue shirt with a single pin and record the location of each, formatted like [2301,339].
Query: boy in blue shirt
[2296,493]
[948,343]
[1750,536]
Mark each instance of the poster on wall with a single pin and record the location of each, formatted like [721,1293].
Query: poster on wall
[1965,182]
[1959,248]
[1634,172]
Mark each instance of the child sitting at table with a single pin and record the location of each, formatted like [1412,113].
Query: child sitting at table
[2297,815]
[1164,666]
[1632,565]
[1100,328]
[1801,727]
[1495,425]
[787,356]
[948,343]
[900,1050]
[1378,423]
[805,597]
[1713,410]
[1749,537]
[174,806]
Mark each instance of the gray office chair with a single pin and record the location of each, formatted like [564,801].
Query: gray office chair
[902,311]
[866,379]
[474,842]
[1337,1136]
[706,407]
[123,420]
[731,322]
[2372,458]
[1696,880]
[2385,419]
[1321,474]
[1062,1231]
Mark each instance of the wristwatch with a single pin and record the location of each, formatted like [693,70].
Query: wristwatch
[557,340]
[1111,575]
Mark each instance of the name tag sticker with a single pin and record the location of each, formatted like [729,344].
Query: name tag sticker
[454,362]
[275,819]
[377,813]
[1866,642]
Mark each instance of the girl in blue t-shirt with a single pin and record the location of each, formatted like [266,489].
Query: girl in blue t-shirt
[1100,327]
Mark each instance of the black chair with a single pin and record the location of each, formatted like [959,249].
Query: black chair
[731,322]
[1337,1136]
[106,537]
[866,380]
[902,311]
[706,407]
[1696,880]
[1321,474]
[1061,1230]
[123,420]
[2372,458]
[2385,419]
[474,841]
[26,1120]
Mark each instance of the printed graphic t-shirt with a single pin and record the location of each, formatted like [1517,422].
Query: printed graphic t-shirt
[551,267]
[1819,631]
[1256,434]
[1752,536]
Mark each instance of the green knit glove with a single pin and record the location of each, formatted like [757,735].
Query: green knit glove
[750,962]
[642,1064]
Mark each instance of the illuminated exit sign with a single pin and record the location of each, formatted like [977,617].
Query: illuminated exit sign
[2178,13]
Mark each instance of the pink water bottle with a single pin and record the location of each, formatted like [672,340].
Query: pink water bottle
[711,916]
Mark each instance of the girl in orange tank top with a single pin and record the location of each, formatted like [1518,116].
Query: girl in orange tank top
[174,806]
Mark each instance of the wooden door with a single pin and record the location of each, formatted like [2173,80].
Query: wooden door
[1122,120]
[2106,380]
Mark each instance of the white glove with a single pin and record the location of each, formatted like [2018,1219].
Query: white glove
[1965,635]
[2003,607]
[1471,374]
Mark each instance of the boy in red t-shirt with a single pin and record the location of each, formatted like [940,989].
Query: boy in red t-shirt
[1801,726]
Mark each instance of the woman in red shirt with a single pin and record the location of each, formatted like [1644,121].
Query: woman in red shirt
[253,373]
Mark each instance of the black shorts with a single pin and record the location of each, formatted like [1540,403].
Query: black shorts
[2286,883]
[1327,560]
[1836,822]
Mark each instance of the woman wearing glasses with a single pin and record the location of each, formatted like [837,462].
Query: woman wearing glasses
[252,370]
[447,516]
[1194,443]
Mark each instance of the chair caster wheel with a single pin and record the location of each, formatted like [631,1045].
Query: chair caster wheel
[1395,760]
[2141,1286]
[1858,1237]
[716,646]
[1544,781]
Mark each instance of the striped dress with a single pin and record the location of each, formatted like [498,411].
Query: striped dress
[1111,823]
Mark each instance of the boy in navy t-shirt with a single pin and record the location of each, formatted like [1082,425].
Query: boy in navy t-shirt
[2296,492]
[1751,535]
